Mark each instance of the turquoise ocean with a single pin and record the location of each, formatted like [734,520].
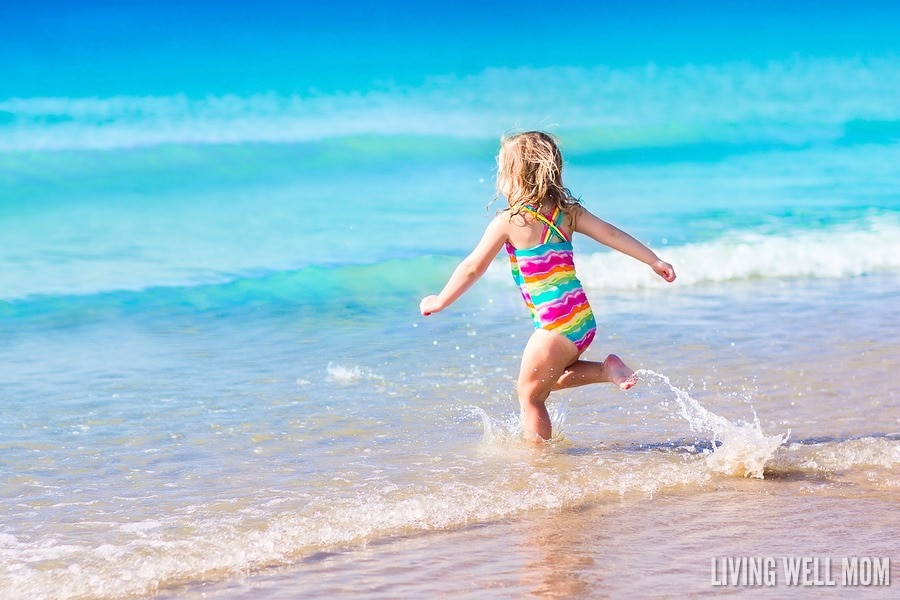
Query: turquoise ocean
[217,221]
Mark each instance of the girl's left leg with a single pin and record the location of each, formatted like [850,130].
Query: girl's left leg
[584,372]
[544,362]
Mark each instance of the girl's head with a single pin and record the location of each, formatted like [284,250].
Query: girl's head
[529,171]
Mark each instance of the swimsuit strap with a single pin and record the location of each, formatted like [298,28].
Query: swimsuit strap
[549,224]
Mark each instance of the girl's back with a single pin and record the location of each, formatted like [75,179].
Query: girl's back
[526,231]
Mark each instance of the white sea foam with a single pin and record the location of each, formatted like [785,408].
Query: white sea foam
[140,526]
[209,544]
[881,452]
[835,252]
[792,102]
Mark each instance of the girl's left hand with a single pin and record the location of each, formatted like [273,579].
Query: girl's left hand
[429,305]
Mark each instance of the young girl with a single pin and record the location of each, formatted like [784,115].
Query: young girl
[537,231]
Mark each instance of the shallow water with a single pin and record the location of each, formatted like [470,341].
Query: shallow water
[331,467]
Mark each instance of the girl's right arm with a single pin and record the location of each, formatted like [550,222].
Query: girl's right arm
[471,268]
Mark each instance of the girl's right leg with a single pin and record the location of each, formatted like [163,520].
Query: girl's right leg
[585,372]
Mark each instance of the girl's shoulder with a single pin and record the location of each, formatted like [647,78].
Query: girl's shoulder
[501,221]
[573,213]
[576,209]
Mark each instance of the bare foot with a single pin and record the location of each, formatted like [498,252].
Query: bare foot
[619,373]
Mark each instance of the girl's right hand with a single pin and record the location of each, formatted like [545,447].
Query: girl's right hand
[430,305]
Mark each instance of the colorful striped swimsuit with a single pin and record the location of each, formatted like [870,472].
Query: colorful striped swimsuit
[546,276]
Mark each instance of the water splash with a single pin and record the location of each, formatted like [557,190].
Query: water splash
[510,431]
[343,374]
[740,449]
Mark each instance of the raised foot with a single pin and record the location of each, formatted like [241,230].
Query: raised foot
[619,373]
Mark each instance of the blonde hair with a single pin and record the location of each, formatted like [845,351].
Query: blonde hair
[529,172]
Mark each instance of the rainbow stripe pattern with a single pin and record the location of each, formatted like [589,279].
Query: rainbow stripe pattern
[546,277]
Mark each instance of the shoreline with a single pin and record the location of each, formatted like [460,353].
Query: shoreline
[632,546]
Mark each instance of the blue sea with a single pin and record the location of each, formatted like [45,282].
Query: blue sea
[217,220]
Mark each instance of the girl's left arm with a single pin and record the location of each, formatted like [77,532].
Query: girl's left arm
[610,235]
[470,269]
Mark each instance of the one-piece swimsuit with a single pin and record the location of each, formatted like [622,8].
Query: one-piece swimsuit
[546,277]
